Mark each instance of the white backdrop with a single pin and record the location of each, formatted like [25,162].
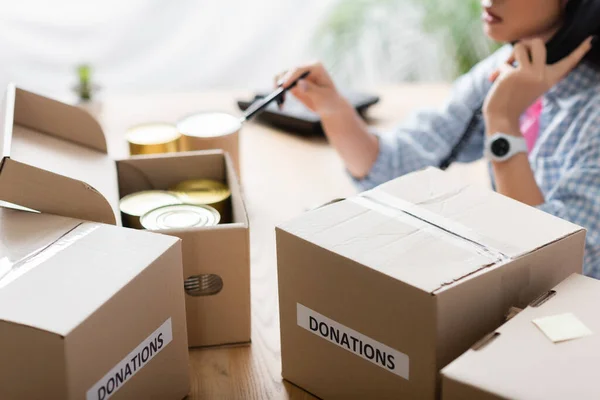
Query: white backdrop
[135,45]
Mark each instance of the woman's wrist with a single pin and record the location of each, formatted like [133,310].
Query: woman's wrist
[515,179]
[348,133]
[335,107]
[497,123]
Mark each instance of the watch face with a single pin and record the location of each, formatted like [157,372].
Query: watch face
[500,147]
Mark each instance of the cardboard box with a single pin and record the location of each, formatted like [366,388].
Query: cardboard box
[89,311]
[378,292]
[224,250]
[518,361]
[55,161]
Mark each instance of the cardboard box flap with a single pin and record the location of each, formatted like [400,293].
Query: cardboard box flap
[54,159]
[394,228]
[58,119]
[139,173]
[477,213]
[72,275]
[546,370]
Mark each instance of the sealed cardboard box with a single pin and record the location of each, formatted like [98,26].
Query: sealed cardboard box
[378,292]
[55,161]
[548,351]
[89,311]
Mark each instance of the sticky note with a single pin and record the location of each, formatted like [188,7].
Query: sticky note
[559,328]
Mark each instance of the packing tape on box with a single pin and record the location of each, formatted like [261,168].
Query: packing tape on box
[384,203]
[10,270]
[421,225]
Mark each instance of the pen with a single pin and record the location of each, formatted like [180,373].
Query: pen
[260,105]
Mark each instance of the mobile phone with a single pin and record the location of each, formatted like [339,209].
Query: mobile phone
[582,20]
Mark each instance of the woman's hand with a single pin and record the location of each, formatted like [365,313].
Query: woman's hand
[344,128]
[317,91]
[517,87]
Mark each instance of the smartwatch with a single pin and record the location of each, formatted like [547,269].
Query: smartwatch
[501,147]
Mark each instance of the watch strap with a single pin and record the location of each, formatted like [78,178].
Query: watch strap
[517,144]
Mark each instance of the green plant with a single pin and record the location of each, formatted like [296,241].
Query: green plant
[85,86]
[399,40]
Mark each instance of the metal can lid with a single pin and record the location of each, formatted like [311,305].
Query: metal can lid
[209,124]
[152,133]
[140,203]
[180,216]
[201,191]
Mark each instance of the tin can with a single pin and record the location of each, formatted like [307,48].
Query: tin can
[206,192]
[180,216]
[135,205]
[209,131]
[153,138]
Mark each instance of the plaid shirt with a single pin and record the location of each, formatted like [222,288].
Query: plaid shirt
[565,159]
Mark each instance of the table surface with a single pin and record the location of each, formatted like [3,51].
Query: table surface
[282,176]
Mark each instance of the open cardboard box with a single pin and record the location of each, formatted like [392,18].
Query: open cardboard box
[54,160]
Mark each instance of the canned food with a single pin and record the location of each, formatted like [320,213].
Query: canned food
[180,216]
[209,125]
[211,130]
[205,192]
[135,205]
[153,138]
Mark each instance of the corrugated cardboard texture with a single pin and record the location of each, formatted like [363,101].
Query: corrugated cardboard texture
[487,214]
[163,171]
[25,233]
[80,278]
[522,363]
[65,323]
[416,252]
[51,193]
[159,172]
[23,374]
[6,120]
[486,298]
[50,149]
[123,322]
[65,158]
[223,317]
[58,119]
[240,213]
[453,390]
[363,299]
[223,250]
[50,141]
[378,241]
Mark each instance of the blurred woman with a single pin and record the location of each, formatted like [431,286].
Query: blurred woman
[539,128]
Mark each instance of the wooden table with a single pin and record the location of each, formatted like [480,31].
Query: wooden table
[282,176]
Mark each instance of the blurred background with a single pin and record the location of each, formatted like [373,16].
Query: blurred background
[195,45]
